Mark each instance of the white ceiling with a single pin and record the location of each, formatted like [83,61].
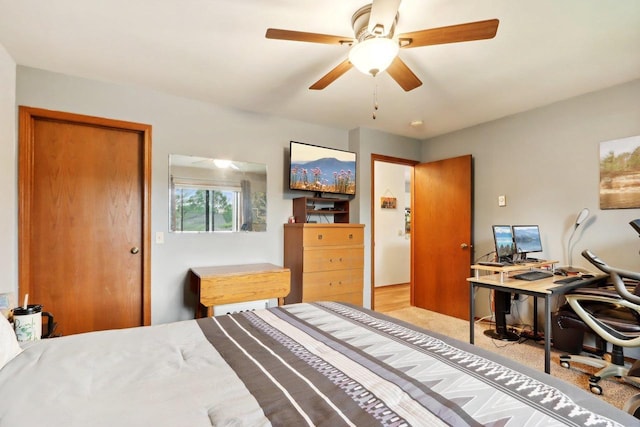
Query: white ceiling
[215,50]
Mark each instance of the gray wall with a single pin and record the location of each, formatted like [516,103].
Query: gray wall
[8,180]
[184,126]
[546,162]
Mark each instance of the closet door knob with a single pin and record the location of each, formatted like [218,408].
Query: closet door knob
[134,250]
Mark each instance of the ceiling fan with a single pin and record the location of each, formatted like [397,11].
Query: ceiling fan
[375,46]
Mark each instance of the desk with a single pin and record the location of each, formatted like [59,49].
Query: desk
[543,288]
[505,270]
[237,283]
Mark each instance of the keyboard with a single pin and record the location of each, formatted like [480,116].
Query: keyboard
[569,279]
[495,263]
[533,275]
[527,260]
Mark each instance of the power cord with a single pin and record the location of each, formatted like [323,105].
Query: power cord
[481,257]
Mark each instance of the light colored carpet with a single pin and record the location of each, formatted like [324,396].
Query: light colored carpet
[531,353]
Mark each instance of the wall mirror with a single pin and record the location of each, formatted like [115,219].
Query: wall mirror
[214,195]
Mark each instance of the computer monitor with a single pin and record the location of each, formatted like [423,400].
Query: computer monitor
[526,239]
[503,239]
[505,249]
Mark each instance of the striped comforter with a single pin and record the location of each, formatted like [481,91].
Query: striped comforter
[330,364]
[303,364]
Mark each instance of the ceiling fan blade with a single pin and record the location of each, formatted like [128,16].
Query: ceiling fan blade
[299,36]
[402,74]
[452,34]
[383,14]
[332,75]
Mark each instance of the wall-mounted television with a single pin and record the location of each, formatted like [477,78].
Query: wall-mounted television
[321,169]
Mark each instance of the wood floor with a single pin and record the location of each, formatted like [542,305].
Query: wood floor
[394,297]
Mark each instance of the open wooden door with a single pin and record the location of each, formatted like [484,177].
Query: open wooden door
[441,236]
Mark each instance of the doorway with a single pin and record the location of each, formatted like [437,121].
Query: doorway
[441,234]
[84,219]
[391,182]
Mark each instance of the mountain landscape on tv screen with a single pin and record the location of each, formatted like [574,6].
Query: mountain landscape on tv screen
[326,175]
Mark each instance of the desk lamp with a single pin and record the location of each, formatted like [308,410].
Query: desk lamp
[636,226]
[582,216]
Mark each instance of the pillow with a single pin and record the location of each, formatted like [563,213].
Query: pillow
[9,347]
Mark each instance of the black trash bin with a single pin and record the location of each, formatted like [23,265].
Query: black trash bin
[567,330]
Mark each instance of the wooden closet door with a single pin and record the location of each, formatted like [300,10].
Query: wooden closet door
[84,223]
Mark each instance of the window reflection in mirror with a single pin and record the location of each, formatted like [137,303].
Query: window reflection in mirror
[214,195]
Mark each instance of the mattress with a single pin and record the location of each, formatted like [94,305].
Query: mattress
[325,364]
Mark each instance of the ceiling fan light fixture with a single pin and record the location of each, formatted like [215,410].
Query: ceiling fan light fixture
[373,55]
[222,163]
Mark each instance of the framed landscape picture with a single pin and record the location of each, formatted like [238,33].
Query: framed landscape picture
[388,202]
[620,173]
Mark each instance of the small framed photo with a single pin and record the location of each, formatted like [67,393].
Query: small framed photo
[388,202]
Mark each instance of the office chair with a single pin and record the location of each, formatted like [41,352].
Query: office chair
[613,314]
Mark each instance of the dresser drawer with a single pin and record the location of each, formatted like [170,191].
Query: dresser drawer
[339,258]
[354,298]
[329,285]
[348,297]
[328,236]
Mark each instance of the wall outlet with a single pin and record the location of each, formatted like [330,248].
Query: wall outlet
[502,200]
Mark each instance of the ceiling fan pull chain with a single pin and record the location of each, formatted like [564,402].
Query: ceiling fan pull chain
[375,97]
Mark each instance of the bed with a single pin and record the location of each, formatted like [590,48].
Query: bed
[301,364]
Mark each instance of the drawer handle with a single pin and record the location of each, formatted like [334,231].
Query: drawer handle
[319,236]
[350,236]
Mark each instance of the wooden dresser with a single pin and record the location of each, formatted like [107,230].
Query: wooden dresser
[326,262]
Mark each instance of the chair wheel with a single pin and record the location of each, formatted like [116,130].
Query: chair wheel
[595,389]
[632,406]
[565,364]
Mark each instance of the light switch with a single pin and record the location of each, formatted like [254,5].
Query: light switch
[159,237]
[502,200]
